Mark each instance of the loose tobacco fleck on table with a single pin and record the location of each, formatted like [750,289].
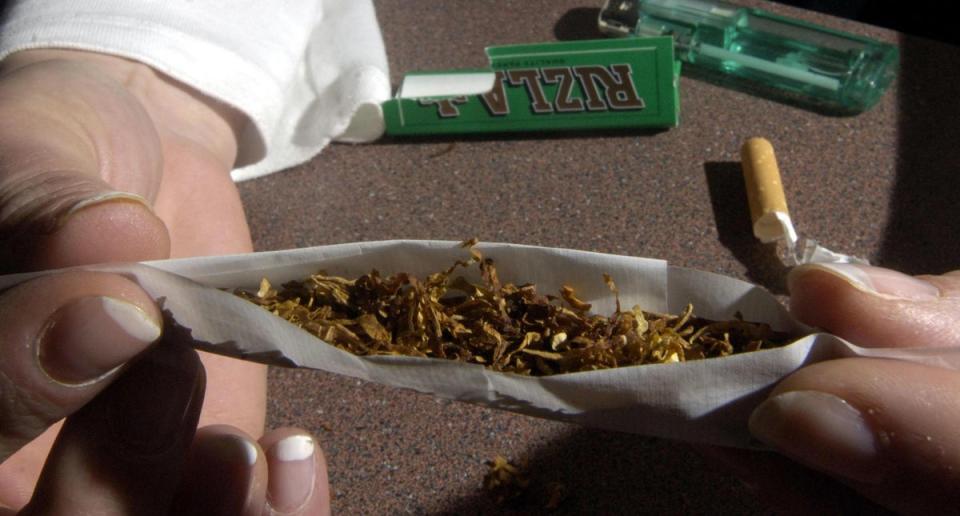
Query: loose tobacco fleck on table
[504,480]
[503,326]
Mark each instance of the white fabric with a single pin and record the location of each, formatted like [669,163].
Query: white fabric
[303,71]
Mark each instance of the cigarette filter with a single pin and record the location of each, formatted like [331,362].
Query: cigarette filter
[768,203]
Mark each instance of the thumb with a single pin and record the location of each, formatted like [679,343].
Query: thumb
[63,338]
[81,164]
[885,427]
[124,452]
[74,220]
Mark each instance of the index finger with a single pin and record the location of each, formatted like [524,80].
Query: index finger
[877,307]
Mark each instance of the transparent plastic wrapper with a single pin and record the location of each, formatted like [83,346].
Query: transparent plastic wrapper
[707,401]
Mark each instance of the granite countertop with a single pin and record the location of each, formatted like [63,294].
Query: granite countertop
[879,185]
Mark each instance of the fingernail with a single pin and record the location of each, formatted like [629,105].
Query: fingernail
[221,475]
[101,198]
[92,336]
[230,451]
[292,472]
[877,280]
[820,430]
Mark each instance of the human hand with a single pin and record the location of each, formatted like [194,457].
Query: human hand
[886,429]
[103,159]
[78,345]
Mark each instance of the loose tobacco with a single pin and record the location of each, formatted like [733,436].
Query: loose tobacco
[503,326]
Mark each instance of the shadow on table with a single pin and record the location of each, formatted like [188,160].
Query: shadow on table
[922,234]
[731,213]
[508,136]
[612,473]
[578,23]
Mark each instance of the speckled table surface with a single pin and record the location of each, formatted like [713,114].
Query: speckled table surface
[879,185]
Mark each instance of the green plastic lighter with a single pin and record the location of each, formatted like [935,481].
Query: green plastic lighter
[798,60]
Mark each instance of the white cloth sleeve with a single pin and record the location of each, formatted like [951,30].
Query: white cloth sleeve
[304,71]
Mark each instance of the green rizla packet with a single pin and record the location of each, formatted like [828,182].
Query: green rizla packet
[596,84]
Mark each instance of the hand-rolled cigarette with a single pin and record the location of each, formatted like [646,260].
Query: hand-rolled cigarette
[768,204]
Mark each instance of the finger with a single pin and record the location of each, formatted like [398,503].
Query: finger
[73,188]
[75,110]
[226,474]
[298,482]
[876,307]
[123,453]
[887,428]
[19,473]
[63,338]
[195,134]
